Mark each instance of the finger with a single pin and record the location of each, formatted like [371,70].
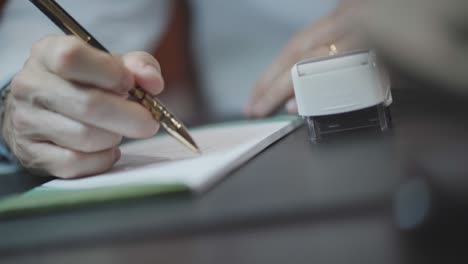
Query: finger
[267,100]
[42,125]
[65,163]
[273,98]
[74,60]
[94,107]
[321,33]
[146,71]
[291,106]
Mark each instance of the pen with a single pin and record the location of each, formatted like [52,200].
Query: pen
[159,112]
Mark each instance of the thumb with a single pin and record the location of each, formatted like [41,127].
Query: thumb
[146,71]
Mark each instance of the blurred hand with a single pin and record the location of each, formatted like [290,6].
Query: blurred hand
[275,88]
[67,111]
[426,39]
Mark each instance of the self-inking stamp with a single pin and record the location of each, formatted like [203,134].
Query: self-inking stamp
[342,92]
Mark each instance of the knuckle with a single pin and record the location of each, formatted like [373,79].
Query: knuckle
[39,46]
[90,103]
[24,86]
[19,84]
[67,55]
[123,84]
[20,120]
[28,157]
[41,100]
[120,80]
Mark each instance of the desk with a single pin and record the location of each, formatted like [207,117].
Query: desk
[293,203]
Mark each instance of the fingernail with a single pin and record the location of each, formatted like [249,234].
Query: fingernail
[117,154]
[151,69]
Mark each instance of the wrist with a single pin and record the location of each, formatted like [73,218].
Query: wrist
[4,149]
[4,92]
[8,162]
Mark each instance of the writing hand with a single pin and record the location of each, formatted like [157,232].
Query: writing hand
[67,111]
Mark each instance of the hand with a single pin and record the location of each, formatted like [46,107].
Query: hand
[67,111]
[275,87]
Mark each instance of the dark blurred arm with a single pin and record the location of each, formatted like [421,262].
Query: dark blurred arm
[427,39]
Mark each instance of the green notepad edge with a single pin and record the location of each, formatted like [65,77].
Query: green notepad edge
[42,199]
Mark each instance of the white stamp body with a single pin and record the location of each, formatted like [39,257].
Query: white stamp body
[342,92]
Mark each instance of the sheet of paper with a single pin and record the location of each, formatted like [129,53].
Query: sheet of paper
[162,160]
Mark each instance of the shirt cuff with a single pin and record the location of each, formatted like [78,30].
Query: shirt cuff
[4,82]
[8,162]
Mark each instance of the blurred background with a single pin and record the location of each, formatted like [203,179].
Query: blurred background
[424,44]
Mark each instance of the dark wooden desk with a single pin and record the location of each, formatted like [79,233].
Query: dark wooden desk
[294,203]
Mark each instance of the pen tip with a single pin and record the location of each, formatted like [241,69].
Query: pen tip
[183,136]
[195,148]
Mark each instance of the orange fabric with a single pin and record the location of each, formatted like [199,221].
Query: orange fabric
[2,3]
[173,52]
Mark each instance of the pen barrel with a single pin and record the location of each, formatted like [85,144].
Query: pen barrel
[156,108]
[170,123]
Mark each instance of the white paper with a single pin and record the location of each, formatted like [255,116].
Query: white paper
[163,160]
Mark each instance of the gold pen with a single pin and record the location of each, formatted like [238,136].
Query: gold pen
[159,112]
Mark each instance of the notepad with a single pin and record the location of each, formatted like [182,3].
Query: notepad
[161,165]
[162,160]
